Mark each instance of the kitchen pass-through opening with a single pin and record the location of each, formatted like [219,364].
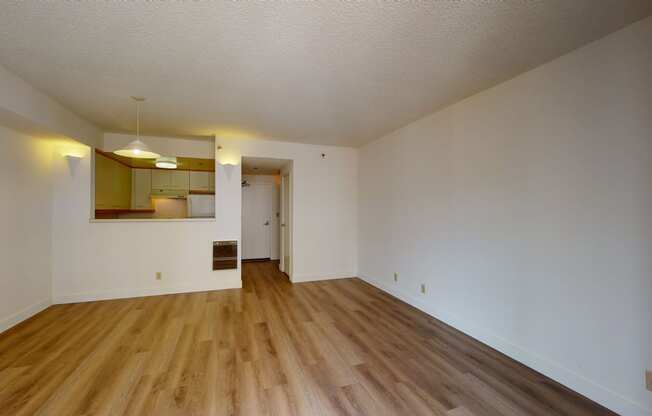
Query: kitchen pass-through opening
[179,184]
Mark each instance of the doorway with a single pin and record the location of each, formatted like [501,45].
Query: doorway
[266,211]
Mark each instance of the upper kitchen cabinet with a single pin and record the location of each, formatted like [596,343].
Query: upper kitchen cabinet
[160,179]
[179,179]
[170,179]
[201,181]
[141,188]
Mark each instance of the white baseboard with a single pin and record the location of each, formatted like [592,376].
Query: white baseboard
[589,388]
[307,277]
[18,317]
[134,293]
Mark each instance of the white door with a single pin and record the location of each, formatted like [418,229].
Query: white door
[256,221]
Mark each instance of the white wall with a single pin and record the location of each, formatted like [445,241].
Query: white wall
[101,260]
[113,259]
[527,211]
[24,108]
[324,204]
[25,223]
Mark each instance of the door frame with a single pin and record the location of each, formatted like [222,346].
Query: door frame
[287,232]
[287,171]
[284,226]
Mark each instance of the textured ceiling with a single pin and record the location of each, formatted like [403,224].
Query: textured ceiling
[328,72]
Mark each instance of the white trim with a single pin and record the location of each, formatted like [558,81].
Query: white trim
[588,388]
[308,277]
[22,315]
[134,293]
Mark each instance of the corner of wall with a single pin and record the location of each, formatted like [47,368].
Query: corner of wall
[547,367]
[24,314]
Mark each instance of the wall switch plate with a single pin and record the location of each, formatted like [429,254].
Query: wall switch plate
[648,379]
[423,288]
[159,275]
[395,277]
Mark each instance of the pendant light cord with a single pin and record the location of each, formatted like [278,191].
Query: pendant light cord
[138,120]
[139,101]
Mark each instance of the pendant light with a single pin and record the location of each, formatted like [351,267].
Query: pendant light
[137,149]
[166,162]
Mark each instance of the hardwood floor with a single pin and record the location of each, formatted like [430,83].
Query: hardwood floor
[339,347]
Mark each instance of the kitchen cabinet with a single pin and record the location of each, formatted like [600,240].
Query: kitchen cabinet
[170,179]
[179,180]
[160,179]
[141,187]
[200,181]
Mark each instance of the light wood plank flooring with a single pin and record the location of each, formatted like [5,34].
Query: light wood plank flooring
[339,347]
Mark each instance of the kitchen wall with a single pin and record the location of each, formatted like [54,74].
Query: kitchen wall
[526,212]
[25,224]
[112,183]
[101,260]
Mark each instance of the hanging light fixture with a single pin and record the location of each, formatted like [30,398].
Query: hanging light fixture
[166,162]
[137,149]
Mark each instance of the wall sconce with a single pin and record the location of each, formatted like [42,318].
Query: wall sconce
[226,159]
[228,168]
[72,152]
[73,161]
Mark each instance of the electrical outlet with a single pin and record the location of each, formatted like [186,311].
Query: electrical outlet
[395,277]
[648,379]
[423,288]
[159,275]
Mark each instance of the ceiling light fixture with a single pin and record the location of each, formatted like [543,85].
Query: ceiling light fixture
[166,162]
[137,149]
